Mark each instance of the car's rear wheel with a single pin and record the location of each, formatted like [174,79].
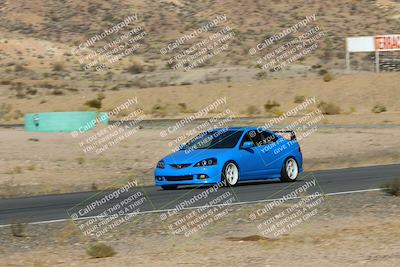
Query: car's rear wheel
[169,187]
[290,170]
[230,174]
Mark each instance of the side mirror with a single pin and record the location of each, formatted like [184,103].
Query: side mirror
[247,145]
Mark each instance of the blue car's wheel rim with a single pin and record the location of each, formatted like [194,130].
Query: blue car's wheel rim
[231,173]
[292,169]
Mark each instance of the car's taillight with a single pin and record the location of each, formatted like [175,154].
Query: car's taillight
[299,149]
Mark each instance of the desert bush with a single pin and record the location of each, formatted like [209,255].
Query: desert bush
[159,110]
[327,77]
[72,89]
[57,92]
[260,75]
[20,94]
[17,169]
[140,83]
[31,91]
[80,160]
[183,107]
[322,72]
[299,99]
[46,85]
[392,187]
[58,67]
[17,114]
[94,103]
[4,109]
[271,104]
[18,228]
[378,108]
[5,82]
[135,68]
[252,110]
[100,250]
[101,96]
[329,108]
[94,187]
[19,67]
[31,167]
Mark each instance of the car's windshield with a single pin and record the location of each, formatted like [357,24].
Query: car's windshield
[214,139]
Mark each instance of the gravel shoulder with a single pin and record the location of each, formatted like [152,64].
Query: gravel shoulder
[360,229]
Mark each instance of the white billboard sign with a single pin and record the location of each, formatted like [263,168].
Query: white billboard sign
[360,44]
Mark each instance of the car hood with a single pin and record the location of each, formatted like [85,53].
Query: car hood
[193,156]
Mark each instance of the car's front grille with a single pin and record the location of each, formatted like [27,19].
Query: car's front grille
[179,166]
[179,178]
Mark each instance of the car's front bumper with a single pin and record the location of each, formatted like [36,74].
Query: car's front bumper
[187,176]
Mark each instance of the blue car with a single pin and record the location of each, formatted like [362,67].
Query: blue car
[230,155]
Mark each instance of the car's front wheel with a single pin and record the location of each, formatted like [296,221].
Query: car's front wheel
[230,174]
[290,170]
[169,187]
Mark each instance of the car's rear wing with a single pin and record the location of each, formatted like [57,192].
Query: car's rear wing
[290,134]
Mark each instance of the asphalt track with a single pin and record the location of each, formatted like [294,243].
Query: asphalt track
[49,208]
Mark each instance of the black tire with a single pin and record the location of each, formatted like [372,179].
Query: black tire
[288,175]
[169,187]
[228,180]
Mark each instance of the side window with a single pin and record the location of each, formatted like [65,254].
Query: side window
[254,136]
[269,138]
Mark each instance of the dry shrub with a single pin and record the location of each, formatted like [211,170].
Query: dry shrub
[94,103]
[378,108]
[327,77]
[18,228]
[136,67]
[270,105]
[392,187]
[329,108]
[100,250]
[159,110]
[260,75]
[299,99]
[252,110]
[58,67]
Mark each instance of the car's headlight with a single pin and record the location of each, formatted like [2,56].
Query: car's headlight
[161,164]
[206,162]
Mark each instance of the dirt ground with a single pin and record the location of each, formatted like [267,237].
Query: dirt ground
[350,230]
[354,94]
[42,163]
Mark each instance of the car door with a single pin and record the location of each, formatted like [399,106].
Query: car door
[251,164]
[272,153]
